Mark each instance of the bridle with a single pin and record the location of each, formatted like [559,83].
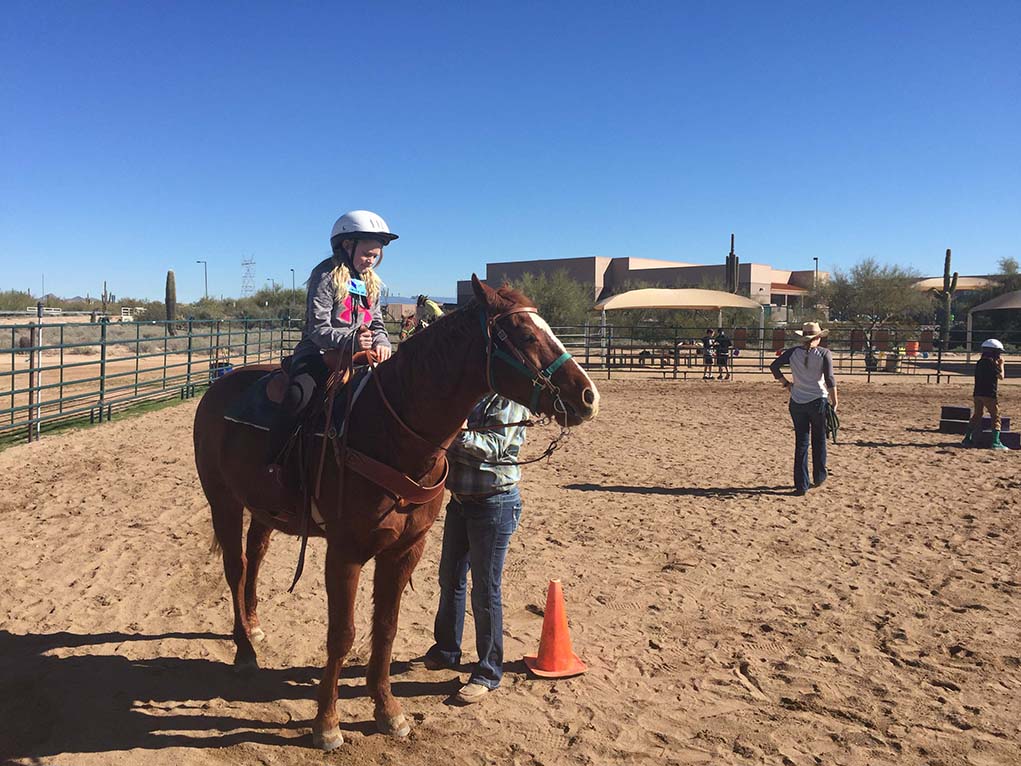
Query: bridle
[541,379]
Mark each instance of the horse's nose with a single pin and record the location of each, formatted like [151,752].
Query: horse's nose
[590,403]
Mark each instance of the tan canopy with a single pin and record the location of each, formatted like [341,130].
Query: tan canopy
[663,298]
[963,283]
[1000,302]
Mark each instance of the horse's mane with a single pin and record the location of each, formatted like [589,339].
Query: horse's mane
[448,333]
[454,321]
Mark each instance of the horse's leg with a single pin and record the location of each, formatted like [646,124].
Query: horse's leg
[255,551]
[341,588]
[393,571]
[228,525]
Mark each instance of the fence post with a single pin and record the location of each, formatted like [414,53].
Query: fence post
[33,339]
[217,358]
[187,376]
[102,366]
[138,351]
[60,394]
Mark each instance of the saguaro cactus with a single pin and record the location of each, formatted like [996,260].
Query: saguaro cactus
[946,295]
[171,301]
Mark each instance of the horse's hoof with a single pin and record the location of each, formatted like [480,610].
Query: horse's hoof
[328,740]
[257,635]
[397,726]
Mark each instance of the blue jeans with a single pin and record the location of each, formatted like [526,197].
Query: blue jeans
[476,535]
[809,423]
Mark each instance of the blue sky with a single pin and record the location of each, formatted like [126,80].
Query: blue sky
[139,137]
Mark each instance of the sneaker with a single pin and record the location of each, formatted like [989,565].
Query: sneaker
[800,492]
[471,693]
[819,482]
[999,447]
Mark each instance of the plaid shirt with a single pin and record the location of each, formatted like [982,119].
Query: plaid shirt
[469,477]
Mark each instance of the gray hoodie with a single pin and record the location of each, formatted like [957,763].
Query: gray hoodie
[330,323]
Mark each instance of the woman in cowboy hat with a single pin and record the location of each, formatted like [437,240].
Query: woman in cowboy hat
[812,389]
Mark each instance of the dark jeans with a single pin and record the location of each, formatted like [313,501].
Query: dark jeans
[476,535]
[307,374]
[809,423]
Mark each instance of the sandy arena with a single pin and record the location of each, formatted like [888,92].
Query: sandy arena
[723,620]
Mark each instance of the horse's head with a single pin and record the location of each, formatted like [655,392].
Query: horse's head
[526,362]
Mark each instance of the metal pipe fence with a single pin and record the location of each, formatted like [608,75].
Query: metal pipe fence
[677,352]
[52,375]
[55,374]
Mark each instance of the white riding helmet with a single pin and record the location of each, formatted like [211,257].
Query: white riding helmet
[361,224]
[992,343]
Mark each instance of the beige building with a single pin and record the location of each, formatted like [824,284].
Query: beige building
[607,276]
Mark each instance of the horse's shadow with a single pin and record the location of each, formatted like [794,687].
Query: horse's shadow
[91,702]
[719,492]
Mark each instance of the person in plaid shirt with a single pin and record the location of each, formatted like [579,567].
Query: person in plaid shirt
[482,515]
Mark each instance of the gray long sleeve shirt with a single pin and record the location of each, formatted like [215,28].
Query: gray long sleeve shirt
[330,323]
[811,369]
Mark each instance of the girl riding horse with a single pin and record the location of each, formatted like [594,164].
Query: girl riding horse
[341,312]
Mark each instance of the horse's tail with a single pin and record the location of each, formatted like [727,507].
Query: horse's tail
[214,545]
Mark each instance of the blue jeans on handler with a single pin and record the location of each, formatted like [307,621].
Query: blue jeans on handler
[476,535]
[809,424]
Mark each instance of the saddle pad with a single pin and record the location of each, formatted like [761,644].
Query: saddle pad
[254,408]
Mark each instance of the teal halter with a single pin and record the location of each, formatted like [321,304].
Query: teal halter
[541,379]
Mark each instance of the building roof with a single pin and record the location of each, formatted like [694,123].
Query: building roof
[1000,303]
[785,288]
[663,298]
[963,283]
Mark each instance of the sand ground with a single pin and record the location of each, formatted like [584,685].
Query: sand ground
[723,620]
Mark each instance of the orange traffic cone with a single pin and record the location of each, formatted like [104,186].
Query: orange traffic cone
[556,658]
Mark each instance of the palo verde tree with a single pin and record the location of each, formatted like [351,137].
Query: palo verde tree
[871,294]
[561,300]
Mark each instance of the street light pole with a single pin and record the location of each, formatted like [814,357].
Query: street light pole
[292,280]
[205,279]
[815,280]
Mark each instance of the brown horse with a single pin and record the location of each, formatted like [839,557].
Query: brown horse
[497,342]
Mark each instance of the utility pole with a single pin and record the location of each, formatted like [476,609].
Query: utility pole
[205,279]
[292,279]
[815,279]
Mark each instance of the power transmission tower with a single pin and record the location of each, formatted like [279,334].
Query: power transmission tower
[247,277]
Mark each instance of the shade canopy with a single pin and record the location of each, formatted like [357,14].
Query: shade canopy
[963,283]
[664,298]
[1000,302]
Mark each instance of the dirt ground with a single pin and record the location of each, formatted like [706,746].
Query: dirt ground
[723,620]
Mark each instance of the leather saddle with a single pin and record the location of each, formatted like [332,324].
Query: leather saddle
[259,404]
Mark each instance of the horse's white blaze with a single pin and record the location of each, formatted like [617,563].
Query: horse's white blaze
[541,324]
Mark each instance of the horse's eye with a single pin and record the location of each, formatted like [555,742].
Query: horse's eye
[529,338]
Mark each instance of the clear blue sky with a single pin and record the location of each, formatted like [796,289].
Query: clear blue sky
[138,137]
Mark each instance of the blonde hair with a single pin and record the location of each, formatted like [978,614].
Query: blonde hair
[342,276]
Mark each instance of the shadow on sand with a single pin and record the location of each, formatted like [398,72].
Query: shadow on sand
[92,702]
[719,492]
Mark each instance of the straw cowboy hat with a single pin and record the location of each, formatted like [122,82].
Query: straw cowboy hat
[811,330]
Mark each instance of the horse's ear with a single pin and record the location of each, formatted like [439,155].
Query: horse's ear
[485,294]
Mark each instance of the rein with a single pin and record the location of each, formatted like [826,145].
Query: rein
[541,380]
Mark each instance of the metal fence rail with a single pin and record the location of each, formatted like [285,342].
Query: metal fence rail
[677,352]
[52,374]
